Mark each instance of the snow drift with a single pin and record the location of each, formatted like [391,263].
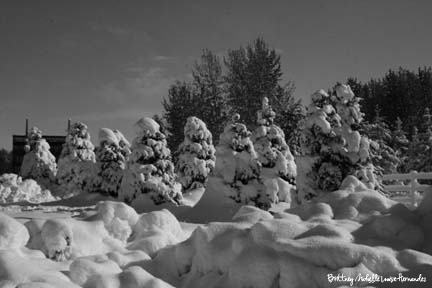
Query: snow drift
[350,231]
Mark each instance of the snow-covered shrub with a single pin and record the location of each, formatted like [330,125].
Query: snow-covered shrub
[196,155]
[270,145]
[38,162]
[149,171]
[14,189]
[332,146]
[238,166]
[76,166]
[111,157]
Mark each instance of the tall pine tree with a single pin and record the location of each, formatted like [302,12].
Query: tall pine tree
[178,106]
[202,97]
[255,72]
[209,92]
[399,143]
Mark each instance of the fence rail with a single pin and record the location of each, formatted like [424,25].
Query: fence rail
[412,187]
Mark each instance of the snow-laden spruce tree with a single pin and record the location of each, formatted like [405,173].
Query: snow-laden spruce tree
[149,171]
[38,163]
[111,157]
[279,170]
[238,167]
[76,165]
[383,156]
[332,146]
[196,155]
[399,141]
[270,145]
[420,150]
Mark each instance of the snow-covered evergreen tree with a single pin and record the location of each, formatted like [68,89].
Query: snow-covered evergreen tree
[383,156]
[271,147]
[196,155]
[332,145]
[149,171]
[399,141]
[238,166]
[38,163]
[420,150]
[111,157]
[412,155]
[76,166]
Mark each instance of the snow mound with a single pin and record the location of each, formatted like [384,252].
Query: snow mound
[99,271]
[18,270]
[352,231]
[118,218]
[163,220]
[13,234]
[85,270]
[14,189]
[344,232]
[156,230]
[66,238]
[57,238]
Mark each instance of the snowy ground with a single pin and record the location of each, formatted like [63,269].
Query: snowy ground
[350,232]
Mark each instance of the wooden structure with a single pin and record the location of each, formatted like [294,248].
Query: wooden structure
[413,185]
[19,141]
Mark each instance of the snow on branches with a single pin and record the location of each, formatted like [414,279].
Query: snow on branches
[196,155]
[238,166]
[77,161]
[111,157]
[332,146]
[149,171]
[38,163]
[269,143]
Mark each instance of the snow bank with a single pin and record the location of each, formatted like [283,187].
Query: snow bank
[14,189]
[118,218]
[18,270]
[13,234]
[345,232]
[349,231]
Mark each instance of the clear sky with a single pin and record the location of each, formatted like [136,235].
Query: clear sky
[108,63]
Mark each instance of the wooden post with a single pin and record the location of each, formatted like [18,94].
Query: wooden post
[26,127]
[68,127]
[413,189]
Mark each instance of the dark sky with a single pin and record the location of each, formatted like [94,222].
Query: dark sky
[108,63]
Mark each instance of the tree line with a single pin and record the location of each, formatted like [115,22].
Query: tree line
[395,106]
